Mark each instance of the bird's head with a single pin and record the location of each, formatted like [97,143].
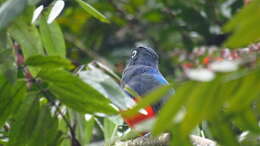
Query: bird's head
[143,56]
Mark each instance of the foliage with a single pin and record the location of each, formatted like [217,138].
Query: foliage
[9,11]
[223,91]
[46,100]
[92,11]
[241,29]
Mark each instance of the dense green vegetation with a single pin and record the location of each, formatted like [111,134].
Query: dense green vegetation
[48,98]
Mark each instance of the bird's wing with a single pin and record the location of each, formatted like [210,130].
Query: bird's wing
[159,77]
[143,83]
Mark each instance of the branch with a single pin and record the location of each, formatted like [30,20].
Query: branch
[200,141]
[163,140]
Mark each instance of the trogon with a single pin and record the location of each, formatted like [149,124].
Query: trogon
[142,75]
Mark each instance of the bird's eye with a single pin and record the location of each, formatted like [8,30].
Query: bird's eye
[133,54]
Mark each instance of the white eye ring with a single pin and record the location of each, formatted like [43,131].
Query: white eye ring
[134,54]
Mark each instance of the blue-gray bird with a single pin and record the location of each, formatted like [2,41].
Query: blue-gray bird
[142,75]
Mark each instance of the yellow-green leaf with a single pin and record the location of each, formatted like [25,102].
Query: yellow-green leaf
[245,26]
[92,11]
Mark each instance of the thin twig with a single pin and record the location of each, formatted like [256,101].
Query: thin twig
[72,39]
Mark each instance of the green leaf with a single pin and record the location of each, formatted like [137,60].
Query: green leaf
[180,138]
[107,87]
[10,10]
[84,128]
[63,127]
[45,130]
[92,11]
[172,107]
[201,98]
[249,80]
[229,91]
[131,91]
[129,134]
[11,96]
[106,70]
[247,120]
[49,62]
[33,2]
[57,139]
[149,99]
[7,60]
[245,24]
[33,125]
[75,93]
[24,122]
[223,133]
[52,38]
[8,67]
[110,130]
[28,37]
[154,16]
[3,41]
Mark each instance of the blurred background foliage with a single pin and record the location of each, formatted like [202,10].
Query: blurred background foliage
[38,63]
[165,25]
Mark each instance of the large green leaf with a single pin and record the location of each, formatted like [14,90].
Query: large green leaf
[75,93]
[7,65]
[3,41]
[247,120]
[249,80]
[200,99]
[45,130]
[244,26]
[28,37]
[149,99]
[107,86]
[10,10]
[11,96]
[49,62]
[92,11]
[179,138]
[57,139]
[223,133]
[172,107]
[33,125]
[24,122]
[52,38]
[229,90]
[7,60]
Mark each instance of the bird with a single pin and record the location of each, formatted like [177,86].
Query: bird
[142,75]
